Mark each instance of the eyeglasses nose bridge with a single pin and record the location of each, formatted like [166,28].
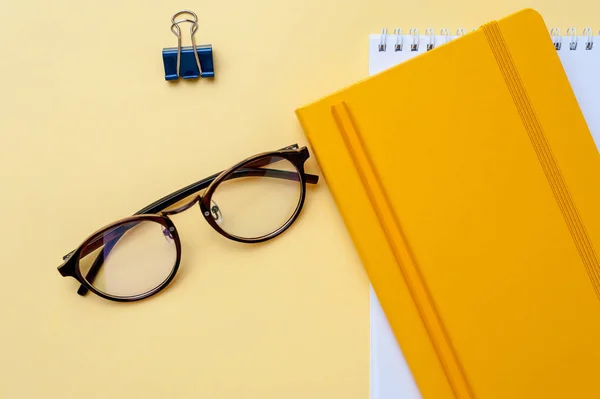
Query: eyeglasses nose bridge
[182,208]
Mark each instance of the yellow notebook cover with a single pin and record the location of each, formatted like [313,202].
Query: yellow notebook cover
[473,199]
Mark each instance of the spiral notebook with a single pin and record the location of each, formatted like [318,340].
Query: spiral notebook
[579,53]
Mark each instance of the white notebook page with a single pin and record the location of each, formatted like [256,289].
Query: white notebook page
[390,375]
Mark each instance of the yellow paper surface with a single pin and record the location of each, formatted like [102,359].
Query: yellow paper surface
[90,132]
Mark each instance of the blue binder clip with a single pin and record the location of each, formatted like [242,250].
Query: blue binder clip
[189,62]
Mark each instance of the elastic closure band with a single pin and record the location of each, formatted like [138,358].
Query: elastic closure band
[544,153]
[404,258]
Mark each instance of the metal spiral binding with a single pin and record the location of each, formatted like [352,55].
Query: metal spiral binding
[399,39]
[573,38]
[446,33]
[431,43]
[555,33]
[414,46]
[414,41]
[589,43]
[556,38]
[383,41]
[573,43]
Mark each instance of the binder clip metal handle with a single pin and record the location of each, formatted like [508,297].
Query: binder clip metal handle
[189,62]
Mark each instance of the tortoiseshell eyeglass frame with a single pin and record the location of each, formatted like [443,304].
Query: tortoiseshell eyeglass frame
[159,212]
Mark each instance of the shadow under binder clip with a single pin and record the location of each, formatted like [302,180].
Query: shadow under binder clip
[190,62]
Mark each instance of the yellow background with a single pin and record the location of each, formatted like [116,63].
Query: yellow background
[90,132]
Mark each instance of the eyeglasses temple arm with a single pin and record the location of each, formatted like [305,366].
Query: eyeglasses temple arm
[95,268]
[179,195]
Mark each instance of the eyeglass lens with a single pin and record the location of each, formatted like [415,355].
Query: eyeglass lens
[255,206]
[136,257]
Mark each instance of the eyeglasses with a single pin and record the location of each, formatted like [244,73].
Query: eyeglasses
[136,257]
